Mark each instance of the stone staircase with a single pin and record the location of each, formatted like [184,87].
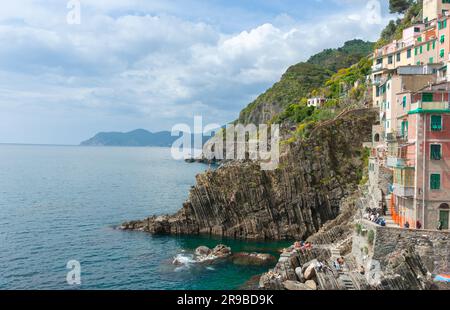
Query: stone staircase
[344,279]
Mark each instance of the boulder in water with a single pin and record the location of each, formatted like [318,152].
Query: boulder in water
[203,251]
[220,251]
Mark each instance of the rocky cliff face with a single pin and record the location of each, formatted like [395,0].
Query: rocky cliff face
[239,200]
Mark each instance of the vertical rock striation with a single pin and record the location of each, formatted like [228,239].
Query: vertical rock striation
[241,201]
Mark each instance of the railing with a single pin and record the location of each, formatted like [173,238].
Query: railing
[377,67]
[427,106]
[396,136]
[403,191]
[379,81]
[393,162]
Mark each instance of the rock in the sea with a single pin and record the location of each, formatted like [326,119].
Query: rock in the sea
[221,251]
[311,284]
[203,251]
[255,259]
[295,286]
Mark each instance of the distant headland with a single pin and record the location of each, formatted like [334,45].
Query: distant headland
[135,138]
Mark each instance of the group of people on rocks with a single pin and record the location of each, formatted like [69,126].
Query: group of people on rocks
[375,215]
[302,246]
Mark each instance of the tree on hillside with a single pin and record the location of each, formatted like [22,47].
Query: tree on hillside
[399,6]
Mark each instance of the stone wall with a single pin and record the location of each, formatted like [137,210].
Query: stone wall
[433,247]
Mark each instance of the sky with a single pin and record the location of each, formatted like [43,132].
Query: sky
[127,64]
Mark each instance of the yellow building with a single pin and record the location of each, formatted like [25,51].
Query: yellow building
[433,9]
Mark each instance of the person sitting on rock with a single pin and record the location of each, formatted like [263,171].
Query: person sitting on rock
[407,225]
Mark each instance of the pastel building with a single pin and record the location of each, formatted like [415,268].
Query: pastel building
[411,88]
[316,102]
[402,79]
[421,168]
[433,9]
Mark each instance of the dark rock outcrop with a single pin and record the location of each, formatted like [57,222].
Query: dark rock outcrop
[253,259]
[239,200]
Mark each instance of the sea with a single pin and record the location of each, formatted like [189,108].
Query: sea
[63,203]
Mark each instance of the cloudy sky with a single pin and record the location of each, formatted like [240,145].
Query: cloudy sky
[154,63]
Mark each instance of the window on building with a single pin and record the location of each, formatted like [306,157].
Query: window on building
[390,60]
[435,181]
[436,123]
[421,49]
[416,29]
[419,39]
[442,53]
[404,129]
[408,53]
[416,51]
[427,97]
[428,46]
[431,60]
[377,137]
[398,56]
[404,102]
[442,39]
[434,45]
[436,152]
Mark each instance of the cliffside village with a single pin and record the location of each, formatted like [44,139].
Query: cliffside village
[410,151]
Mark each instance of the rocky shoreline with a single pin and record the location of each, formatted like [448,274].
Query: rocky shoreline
[240,201]
[313,196]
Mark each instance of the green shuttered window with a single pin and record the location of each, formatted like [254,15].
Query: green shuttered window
[436,152]
[436,123]
[427,97]
[435,182]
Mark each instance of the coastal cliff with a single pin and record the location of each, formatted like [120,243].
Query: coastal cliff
[239,200]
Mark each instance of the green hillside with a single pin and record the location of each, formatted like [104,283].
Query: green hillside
[301,79]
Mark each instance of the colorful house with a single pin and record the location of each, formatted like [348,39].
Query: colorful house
[421,189]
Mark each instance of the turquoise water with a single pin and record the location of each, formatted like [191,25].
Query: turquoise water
[61,203]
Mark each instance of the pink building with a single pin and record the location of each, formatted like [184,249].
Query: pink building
[422,167]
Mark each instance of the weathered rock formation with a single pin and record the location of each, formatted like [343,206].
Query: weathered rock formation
[239,200]
[253,259]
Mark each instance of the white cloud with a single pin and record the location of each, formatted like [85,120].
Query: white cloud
[153,67]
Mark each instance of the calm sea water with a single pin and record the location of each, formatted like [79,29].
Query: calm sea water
[61,203]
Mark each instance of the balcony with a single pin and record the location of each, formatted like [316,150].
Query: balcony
[379,81]
[403,191]
[430,106]
[377,67]
[396,136]
[395,162]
